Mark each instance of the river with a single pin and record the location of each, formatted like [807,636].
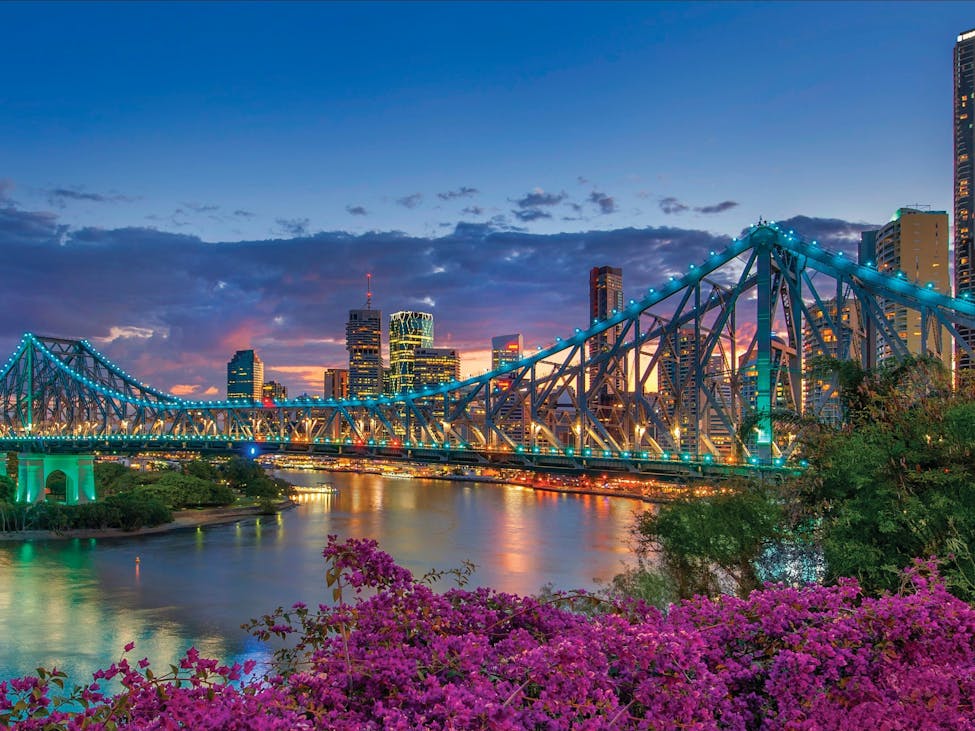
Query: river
[75,603]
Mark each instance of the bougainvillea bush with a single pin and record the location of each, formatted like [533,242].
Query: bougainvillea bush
[399,655]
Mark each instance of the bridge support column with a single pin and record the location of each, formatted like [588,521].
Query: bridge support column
[34,469]
[30,478]
[79,471]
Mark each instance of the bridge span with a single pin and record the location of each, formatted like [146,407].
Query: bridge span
[707,377]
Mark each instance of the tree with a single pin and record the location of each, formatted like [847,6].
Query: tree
[896,482]
[709,545]
[201,469]
[108,476]
[8,490]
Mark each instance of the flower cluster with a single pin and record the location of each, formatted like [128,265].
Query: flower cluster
[403,656]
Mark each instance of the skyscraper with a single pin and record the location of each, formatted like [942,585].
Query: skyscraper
[964,77]
[275,391]
[511,408]
[336,383]
[916,243]
[245,376]
[433,366]
[677,390]
[840,337]
[407,331]
[605,299]
[505,350]
[364,341]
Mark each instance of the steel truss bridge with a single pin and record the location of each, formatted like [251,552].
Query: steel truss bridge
[687,381]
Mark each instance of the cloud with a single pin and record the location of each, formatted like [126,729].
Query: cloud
[211,391]
[410,201]
[241,213]
[59,197]
[671,205]
[293,226]
[473,211]
[201,208]
[356,210]
[127,331]
[539,197]
[462,192]
[717,207]
[581,180]
[184,389]
[530,214]
[833,233]
[605,203]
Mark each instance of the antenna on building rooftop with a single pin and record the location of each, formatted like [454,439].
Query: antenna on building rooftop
[368,291]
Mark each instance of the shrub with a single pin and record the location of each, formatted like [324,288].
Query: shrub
[402,656]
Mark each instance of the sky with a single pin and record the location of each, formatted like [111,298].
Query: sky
[179,181]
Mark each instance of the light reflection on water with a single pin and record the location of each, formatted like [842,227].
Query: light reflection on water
[74,604]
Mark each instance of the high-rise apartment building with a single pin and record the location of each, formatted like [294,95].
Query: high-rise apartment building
[964,108]
[363,340]
[433,366]
[245,376]
[511,411]
[605,299]
[840,338]
[336,383]
[717,434]
[677,391]
[275,391]
[408,331]
[915,243]
[505,350]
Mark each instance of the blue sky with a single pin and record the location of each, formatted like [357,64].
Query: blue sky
[184,139]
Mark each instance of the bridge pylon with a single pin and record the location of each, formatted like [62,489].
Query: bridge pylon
[34,469]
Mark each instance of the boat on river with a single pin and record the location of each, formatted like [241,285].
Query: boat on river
[322,488]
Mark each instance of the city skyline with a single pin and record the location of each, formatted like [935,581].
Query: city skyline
[94,246]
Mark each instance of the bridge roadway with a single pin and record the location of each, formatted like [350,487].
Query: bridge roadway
[675,468]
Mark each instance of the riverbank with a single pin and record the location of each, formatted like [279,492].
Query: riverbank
[182,520]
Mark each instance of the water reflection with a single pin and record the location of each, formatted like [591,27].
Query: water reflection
[75,604]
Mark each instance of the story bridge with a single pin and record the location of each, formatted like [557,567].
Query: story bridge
[687,383]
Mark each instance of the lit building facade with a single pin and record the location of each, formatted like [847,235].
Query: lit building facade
[408,331]
[677,391]
[245,376]
[915,243]
[433,366]
[336,383]
[605,299]
[274,391]
[964,107]
[716,436]
[512,410]
[363,340]
[841,339]
[505,350]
